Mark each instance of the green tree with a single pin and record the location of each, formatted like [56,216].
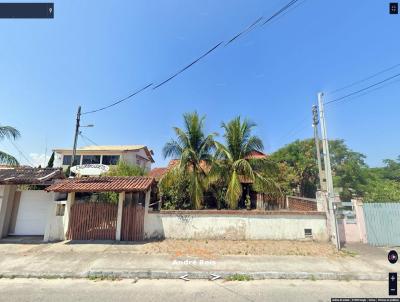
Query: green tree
[125,169]
[50,163]
[348,167]
[233,161]
[8,132]
[193,148]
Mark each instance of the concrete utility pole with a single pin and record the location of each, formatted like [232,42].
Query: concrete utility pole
[316,139]
[328,171]
[77,125]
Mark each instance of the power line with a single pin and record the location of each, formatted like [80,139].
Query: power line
[363,89]
[369,91]
[88,139]
[120,101]
[246,30]
[21,153]
[280,11]
[189,65]
[364,79]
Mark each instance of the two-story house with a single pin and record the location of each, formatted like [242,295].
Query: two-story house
[138,155]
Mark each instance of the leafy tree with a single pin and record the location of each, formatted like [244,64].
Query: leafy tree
[8,132]
[193,148]
[174,190]
[297,159]
[348,167]
[234,163]
[125,169]
[50,163]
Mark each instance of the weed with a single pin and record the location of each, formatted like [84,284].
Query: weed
[312,278]
[239,277]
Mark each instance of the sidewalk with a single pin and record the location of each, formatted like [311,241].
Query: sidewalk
[63,259]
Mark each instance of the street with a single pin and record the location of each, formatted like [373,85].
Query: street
[178,290]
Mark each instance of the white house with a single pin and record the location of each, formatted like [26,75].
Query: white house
[138,155]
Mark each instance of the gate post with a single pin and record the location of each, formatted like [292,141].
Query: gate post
[119,215]
[67,212]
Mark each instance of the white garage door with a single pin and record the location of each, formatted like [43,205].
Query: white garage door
[33,212]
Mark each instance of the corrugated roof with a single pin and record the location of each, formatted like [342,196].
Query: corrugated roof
[104,184]
[26,176]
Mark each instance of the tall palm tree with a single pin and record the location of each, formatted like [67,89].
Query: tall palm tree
[9,133]
[193,148]
[235,164]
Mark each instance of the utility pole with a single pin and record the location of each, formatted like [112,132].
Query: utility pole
[328,171]
[77,125]
[316,139]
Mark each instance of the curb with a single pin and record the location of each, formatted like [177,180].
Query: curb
[200,275]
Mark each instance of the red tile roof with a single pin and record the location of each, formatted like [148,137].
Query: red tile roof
[23,175]
[256,154]
[157,173]
[104,184]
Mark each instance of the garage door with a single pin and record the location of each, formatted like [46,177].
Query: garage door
[33,212]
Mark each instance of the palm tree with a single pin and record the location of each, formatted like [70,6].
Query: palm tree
[193,148]
[235,164]
[9,133]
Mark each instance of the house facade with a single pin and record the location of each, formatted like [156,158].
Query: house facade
[139,155]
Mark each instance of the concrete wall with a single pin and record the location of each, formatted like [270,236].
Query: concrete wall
[7,193]
[55,225]
[280,225]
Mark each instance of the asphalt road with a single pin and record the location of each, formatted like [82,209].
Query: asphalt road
[176,290]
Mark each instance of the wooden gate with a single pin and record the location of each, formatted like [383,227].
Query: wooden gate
[132,227]
[92,221]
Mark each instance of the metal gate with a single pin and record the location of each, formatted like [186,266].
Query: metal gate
[92,221]
[132,227]
[382,221]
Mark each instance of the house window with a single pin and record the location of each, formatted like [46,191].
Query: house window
[67,160]
[308,233]
[90,159]
[110,159]
[60,209]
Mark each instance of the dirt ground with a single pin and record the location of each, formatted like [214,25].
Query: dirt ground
[212,248]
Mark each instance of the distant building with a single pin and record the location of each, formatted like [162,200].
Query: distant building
[138,155]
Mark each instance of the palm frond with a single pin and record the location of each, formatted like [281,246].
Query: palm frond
[172,149]
[9,132]
[8,159]
[234,191]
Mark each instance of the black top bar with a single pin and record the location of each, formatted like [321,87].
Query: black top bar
[27,10]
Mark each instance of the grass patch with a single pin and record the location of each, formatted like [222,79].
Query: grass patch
[96,278]
[312,278]
[348,253]
[239,277]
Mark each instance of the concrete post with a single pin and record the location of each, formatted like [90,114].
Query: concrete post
[121,200]
[67,212]
[147,202]
[320,201]
[359,209]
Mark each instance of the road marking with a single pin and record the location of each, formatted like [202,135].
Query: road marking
[214,277]
[184,277]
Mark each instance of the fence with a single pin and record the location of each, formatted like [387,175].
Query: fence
[382,222]
[92,221]
[132,227]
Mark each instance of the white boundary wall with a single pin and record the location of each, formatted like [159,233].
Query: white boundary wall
[235,227]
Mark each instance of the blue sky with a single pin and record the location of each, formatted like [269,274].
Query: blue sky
[95,52]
